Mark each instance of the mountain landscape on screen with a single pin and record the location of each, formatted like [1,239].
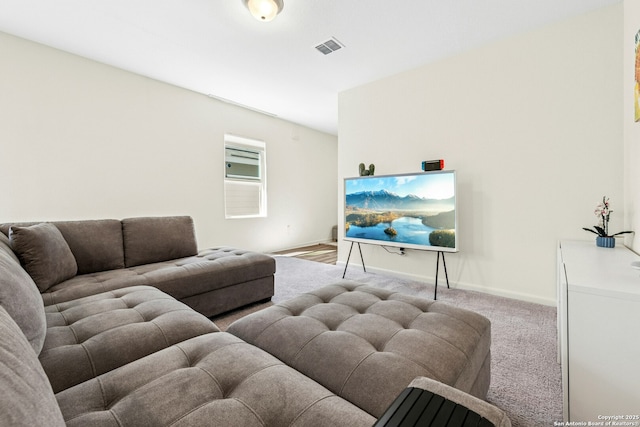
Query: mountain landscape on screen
[383,199]
[387,210]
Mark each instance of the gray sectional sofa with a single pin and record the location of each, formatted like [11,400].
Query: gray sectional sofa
[90,255]
[122,347]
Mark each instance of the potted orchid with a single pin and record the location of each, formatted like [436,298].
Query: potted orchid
[603,212]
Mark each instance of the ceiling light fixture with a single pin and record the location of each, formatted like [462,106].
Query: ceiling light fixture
[264,10]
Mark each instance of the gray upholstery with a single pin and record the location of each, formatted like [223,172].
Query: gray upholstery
[366,344]
[188,279]
[20,297]
[96,244]
[43,253]
[154,239]
[482,408]
[211,380]
[221,300]
[93,335]
[27,398]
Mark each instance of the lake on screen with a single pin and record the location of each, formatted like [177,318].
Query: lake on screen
[410,230]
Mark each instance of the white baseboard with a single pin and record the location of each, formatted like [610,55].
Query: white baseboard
[456,285]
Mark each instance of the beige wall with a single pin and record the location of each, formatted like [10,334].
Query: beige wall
[532,124]
[631,128]
[80,140]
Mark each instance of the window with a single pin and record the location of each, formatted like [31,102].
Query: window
[245,184]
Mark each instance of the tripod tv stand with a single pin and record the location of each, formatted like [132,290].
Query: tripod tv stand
[440,253]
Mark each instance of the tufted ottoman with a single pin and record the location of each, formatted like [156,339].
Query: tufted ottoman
[367,344]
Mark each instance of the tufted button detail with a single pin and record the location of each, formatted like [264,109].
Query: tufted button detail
[375,339]
[96,328]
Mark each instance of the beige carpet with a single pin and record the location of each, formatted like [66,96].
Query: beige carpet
[525,379]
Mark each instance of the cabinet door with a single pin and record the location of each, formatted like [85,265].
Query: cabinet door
[604,356]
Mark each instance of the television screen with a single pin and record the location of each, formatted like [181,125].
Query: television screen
[415,210]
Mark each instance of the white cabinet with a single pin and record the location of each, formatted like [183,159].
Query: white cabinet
[599,331]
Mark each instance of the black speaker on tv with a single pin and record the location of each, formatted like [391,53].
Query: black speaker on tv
[432,165]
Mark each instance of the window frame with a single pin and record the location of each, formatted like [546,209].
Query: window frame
[231,184]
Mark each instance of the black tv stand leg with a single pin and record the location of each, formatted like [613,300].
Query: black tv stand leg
[349,257]
[446,275]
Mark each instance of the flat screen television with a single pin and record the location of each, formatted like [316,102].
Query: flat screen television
[413,210]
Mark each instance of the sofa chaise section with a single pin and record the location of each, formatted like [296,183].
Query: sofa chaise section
[214,281]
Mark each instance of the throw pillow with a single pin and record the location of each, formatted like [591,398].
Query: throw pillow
[43,253]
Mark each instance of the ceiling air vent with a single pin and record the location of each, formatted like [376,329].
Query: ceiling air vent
[329,46]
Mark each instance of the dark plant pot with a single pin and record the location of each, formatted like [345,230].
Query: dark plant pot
[605,242]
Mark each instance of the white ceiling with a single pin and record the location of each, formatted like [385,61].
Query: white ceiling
[216,47]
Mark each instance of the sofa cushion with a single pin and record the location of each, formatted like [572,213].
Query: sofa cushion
[155,239]
[44,253]
[366,344]
[20,296]
[93,335]
[96,244]
[211,380]
[27,398]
